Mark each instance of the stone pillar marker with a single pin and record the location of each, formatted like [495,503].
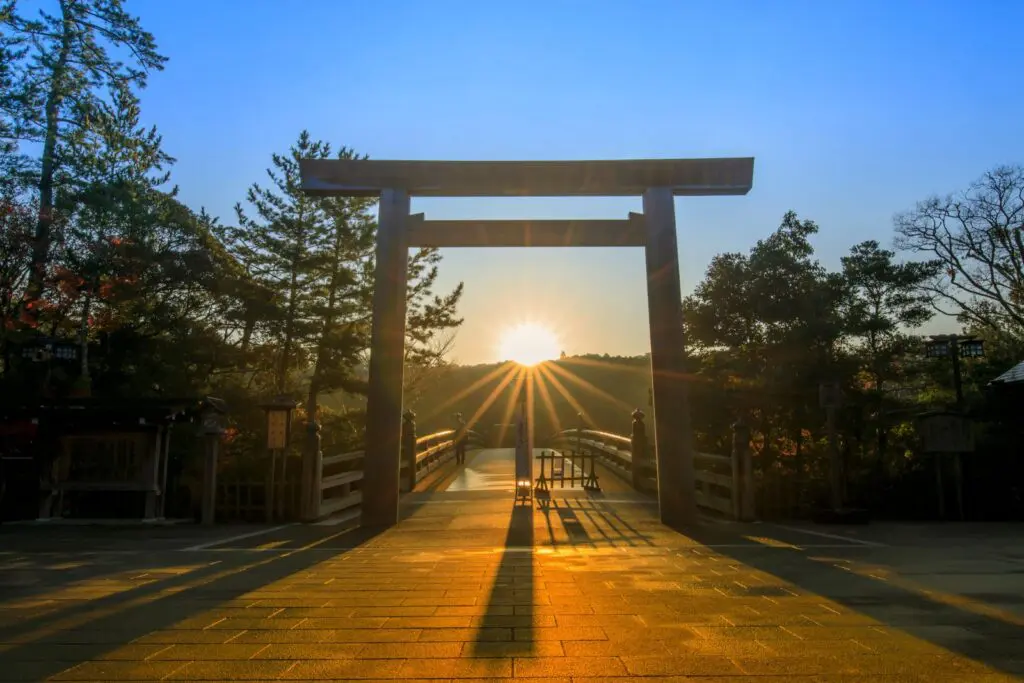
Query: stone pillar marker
[672,431]
[382,459]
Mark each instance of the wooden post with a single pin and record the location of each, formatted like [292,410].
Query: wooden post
[579,433]
[211,430]
[210,481]
[282,487]
[153,475]
[270,497]
[638,450]
[163,477]
[958,475]
[312,473]
[835,468]
[381,468]
[672,431]
[409,448]
[742,473]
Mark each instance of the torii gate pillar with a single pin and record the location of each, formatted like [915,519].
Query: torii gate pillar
[672,431]
[382,458]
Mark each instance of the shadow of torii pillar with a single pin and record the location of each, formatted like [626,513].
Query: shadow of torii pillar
[657,180]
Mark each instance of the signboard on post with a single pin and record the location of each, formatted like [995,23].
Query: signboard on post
[946,433]
[277,430]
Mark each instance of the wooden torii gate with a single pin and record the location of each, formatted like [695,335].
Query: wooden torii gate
[658,181]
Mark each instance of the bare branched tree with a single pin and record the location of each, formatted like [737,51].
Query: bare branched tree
[977,240]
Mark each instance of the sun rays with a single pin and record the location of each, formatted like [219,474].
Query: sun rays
[554,392]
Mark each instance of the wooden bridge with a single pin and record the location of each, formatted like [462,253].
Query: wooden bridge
[578,458]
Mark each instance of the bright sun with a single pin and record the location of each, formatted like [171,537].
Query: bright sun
[528,344]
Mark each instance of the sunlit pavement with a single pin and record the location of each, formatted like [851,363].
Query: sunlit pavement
[584,588]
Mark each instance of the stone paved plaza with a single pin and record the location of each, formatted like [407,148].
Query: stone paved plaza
[583,588]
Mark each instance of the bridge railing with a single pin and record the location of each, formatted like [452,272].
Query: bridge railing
[432,451]
[342,473]
[724,483]
[614,451]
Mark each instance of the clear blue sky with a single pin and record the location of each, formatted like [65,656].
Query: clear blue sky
[853,110]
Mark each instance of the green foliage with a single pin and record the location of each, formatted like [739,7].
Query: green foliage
[65,69]
[317,255]
[278,245]
[164,300]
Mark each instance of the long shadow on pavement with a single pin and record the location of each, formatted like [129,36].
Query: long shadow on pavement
[985,639]
[28,650]
[512,592]
[41,559]
[44,569]
[564,513]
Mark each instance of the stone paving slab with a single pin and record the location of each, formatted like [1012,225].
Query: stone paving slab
[468,587]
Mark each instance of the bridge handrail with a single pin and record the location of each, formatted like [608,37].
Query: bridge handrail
[443,445]
[607,437]
[342,457]
[329,460]
[713,471]
[434,437]
[432,450]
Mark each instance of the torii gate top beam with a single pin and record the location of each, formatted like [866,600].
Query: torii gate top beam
[631,177]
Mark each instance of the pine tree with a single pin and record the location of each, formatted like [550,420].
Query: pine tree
[117,168]
[431,320]
[280,243]
[64,66]
[344,292]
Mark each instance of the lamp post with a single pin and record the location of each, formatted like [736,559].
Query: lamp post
[211,429]
[955,347]
[279,419]
[48,349]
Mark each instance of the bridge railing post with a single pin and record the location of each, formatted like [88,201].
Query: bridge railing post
[742,473]
[312,473]
[409,448]
[638,449]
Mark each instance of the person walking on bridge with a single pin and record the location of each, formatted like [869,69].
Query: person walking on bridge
[460,440]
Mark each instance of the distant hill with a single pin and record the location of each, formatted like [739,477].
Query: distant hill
[606,389]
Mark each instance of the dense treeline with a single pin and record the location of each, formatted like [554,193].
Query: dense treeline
[161,299]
